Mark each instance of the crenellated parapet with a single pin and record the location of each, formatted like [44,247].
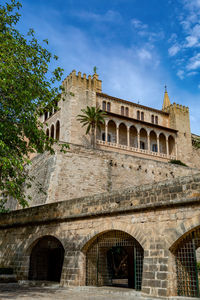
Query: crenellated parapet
[87,83]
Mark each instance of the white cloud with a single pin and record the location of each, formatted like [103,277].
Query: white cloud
[144,54]
[138,24]
[109,16]
[194,63]
[173,50]
[180,74]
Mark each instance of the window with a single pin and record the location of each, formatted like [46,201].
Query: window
[142,116]
[108,106]
[47,132]
[52,131]
[156,119]
[104,105]
[154,148]
[127,111]
[103,136]
[152,119]
[122,110]
[46,115]
[57,130]
[142,145]
[138,115]
[109,137]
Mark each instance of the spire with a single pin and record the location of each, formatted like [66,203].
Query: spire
[166,101]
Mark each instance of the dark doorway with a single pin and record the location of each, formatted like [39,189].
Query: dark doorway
[46,260]
[115,259]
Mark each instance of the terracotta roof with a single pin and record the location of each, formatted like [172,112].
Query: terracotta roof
[132,103]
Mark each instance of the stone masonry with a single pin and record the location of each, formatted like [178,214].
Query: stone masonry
[156,215]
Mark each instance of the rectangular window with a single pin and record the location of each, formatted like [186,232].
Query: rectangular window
[108,106]
[142,116]
[152,119]
[154,148]
[127,111]
[122,110]
[156,119]
[103,105]
[138,115]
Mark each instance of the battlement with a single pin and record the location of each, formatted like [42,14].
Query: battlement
[180,107]
[90,83]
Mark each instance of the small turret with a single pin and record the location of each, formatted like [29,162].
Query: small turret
[166,101]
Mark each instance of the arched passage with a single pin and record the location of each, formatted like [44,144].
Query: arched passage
[162,142]
[153,142]
[143,139]
[185,251]
[111,131]
[52,131]
[171,142]
[46,259]
[122,134]
[57,130]
[133,137]
[114,258]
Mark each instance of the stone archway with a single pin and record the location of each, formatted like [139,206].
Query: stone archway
[114,258]
[46,259]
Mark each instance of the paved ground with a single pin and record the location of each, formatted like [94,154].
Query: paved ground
[54,292]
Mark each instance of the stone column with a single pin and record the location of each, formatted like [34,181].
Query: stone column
[117,134]
[128,136]
[167,146]
[106,131]
[158,144]
[138,140]
[148,141]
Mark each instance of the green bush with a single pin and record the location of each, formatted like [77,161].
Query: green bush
[177,162]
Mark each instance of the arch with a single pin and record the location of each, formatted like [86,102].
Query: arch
[121,260]
[112,131]
[184,250]
[153,141]
[143,139]
[171,143]
[122,134]
[133,136]
[162,142]
[52,131]
[47,132]
[58,130]
[46,259]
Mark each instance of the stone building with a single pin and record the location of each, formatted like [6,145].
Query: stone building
[120,214]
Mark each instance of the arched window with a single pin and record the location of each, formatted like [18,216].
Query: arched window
[122,110]
[127,111]
[47,132]
[108,106]
[52,131]
[142,116]
[156,119]
[152,119]
[138,115]
[46,115]
[57,130]
[104,105]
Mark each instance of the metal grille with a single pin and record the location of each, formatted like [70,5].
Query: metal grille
[186,263]
[116,259]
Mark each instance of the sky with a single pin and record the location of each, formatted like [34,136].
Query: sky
[138,46]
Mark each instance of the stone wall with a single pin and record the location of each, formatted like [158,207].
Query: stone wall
[155,215]
[82,171]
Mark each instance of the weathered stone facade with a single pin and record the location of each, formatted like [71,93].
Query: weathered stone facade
[157,216]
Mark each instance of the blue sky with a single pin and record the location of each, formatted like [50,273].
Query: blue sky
[138,46]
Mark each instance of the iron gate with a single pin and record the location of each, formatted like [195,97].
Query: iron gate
[186,265]
[115,258]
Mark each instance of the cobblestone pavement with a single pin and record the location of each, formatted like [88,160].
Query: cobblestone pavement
[54,292]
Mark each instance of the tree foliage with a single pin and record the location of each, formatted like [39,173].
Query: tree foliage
[25,92]
[93,118]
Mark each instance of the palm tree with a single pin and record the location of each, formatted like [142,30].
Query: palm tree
[92,117]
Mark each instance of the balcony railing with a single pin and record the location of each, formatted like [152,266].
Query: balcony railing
[133,149]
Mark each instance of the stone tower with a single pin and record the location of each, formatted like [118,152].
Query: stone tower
[179,119]
[80,92]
